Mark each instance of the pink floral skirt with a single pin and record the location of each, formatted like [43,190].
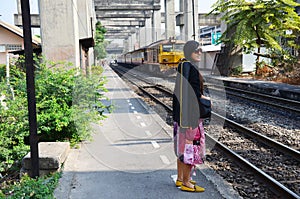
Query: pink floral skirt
[189,144]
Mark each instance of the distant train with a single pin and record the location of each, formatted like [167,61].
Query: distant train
[159,56]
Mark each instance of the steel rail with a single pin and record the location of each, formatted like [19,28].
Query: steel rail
[261,138]
[279,99]
[275,186]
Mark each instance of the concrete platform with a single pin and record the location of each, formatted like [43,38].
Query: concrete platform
[131,156]
[51,157]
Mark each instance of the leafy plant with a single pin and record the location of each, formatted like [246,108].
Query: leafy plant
[42,187]
[253,24]
[100,43]
[67,102]
[237,70]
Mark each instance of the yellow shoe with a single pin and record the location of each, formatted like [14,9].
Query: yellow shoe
[179,183]
[196,188]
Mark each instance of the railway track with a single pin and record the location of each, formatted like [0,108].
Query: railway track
[246,148]
[284,107]
[273,101]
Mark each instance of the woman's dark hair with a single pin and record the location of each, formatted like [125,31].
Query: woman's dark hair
[190,47]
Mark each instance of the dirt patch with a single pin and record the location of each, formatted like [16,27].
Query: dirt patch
[276,75]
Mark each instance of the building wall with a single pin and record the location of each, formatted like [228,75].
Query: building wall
[7,37]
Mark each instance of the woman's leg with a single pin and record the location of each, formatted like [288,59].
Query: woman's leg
[186,175]
[179,170]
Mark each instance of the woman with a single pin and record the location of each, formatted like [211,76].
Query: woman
[188,126]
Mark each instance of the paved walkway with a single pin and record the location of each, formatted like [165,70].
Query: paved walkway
[131,156]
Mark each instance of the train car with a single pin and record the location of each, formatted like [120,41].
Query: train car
[164,55]
[170,54]
[159,56]
[137,56]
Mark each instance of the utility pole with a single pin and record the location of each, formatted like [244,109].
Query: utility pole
[34,152]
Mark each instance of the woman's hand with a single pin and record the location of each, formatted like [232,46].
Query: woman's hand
[205,97]
[208,98]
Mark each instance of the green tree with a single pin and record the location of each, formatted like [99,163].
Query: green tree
[100,43]
[257,23]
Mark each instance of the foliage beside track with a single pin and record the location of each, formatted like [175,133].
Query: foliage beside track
[66,103]
[252,25]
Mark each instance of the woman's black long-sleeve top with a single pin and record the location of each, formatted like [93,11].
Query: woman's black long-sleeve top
[186,96]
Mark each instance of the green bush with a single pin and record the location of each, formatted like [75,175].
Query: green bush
[237,70]
[66,102]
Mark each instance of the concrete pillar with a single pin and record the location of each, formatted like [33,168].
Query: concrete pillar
[143,35]
[125,44]
[190,20]
[138,42]
[148,33]
[131,41]
[84,13]
[60,34]
[156,25]
[169,18]
[181,28]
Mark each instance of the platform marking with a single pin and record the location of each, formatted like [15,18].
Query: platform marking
[129,104]
[135,112]
[174,178]
[143,124]
[132,107]
[128,100]
[164,159]
[148,133]
[155,144]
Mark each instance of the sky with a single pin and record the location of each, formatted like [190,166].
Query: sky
[9,7]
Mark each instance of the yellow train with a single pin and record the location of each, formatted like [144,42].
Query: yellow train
[159,56]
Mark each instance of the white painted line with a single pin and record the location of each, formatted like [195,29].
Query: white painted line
[134,112]
[128,100]
[132,107]
[148,133]
[129,104]
[155,144]
[164,159]
[174,177]
[143,124]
